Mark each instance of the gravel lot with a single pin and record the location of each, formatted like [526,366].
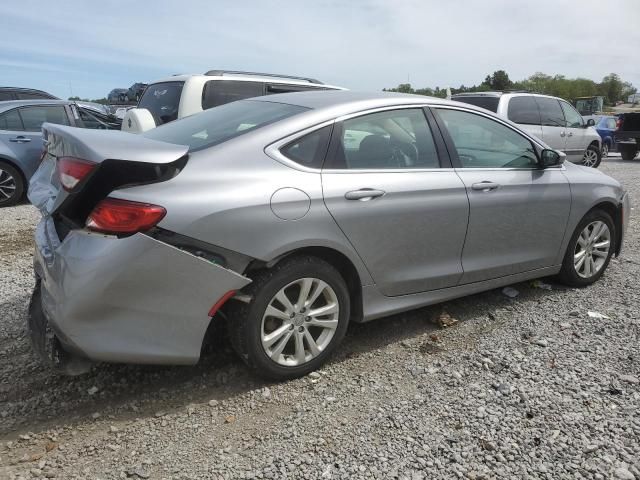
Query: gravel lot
[530,387]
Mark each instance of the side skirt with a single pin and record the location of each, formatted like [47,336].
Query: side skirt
[376,305]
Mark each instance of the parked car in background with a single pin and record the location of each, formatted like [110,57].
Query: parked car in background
[118,95]
[551,119]
[135,92]
[589,105]
[296,214]
[21,138]
[182,95]
[606,126]
[627,135]
[17,93]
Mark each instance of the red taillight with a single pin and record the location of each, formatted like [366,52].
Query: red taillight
[116,216]
[619,122]
[72,171]
[218,305]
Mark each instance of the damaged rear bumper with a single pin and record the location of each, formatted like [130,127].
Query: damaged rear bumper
[132,300]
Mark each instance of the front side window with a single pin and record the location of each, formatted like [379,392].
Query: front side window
[484,143]
[162,100]
[550,112]
[395,139]
[217,125]
[11,121]
[524,110]
[220,92]
[310,150]
[572,117]
[33,117]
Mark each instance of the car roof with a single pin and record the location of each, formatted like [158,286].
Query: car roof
[506,93]
[244,78]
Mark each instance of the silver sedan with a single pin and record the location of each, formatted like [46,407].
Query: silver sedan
[290,216]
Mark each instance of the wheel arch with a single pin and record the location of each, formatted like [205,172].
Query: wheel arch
[335,258]
[615,211]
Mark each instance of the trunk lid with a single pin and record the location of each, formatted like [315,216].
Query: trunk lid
[121,160]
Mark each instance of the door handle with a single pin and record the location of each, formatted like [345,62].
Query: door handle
[570,134]
[364,194]
[20,139]
[485,186]
[562,134]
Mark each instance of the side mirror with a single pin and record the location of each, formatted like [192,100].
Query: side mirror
[551,158]
[591,122]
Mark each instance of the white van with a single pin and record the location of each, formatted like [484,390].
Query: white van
[178,96]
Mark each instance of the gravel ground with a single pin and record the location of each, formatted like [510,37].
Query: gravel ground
[529,387]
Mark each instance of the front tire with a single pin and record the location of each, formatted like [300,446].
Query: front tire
[296,317]
[589,250]
[592,157]
[11,185]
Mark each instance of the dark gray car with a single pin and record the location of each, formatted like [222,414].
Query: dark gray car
[293,215]
[21,138]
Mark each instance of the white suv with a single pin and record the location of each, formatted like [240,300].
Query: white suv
[551,119]
[178,96]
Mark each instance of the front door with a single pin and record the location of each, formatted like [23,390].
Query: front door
[404,214]
[518,212]
[577,142]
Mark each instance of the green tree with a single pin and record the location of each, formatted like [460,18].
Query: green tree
[499,80]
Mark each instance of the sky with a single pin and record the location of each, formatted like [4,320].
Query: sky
[86,48]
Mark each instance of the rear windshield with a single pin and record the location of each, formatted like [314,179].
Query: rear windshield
[162,100]
[223,123]
[489,103]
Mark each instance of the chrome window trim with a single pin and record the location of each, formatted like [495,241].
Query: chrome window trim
[273,149]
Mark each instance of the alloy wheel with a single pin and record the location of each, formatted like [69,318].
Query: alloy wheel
[300,322]
[605,150]
[7,185]
[590,158]
[592,249]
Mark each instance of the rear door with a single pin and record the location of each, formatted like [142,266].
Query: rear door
[577,141]
[554,132]
[403,210]
[518,212]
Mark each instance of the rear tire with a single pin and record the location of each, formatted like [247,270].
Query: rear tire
[586,246]
[11,185]
[592,157]
[627,151]
[269,344]
[605,150]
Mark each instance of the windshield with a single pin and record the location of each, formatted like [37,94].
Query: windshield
[162,100]
[223,123]
[482,101]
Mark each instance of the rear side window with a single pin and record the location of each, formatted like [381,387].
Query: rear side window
[394,139]
[611,123]
[162,100]
[11,121]
[524,110]
[273,88]
[550,112]
[310,150]
[31,96]
[34,117]
[223,123]
[220,92]
[482,101]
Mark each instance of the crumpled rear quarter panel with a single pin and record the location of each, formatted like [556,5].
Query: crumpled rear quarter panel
[129,299]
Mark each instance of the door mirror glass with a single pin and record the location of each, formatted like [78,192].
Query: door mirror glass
[551,158]
[591,122]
